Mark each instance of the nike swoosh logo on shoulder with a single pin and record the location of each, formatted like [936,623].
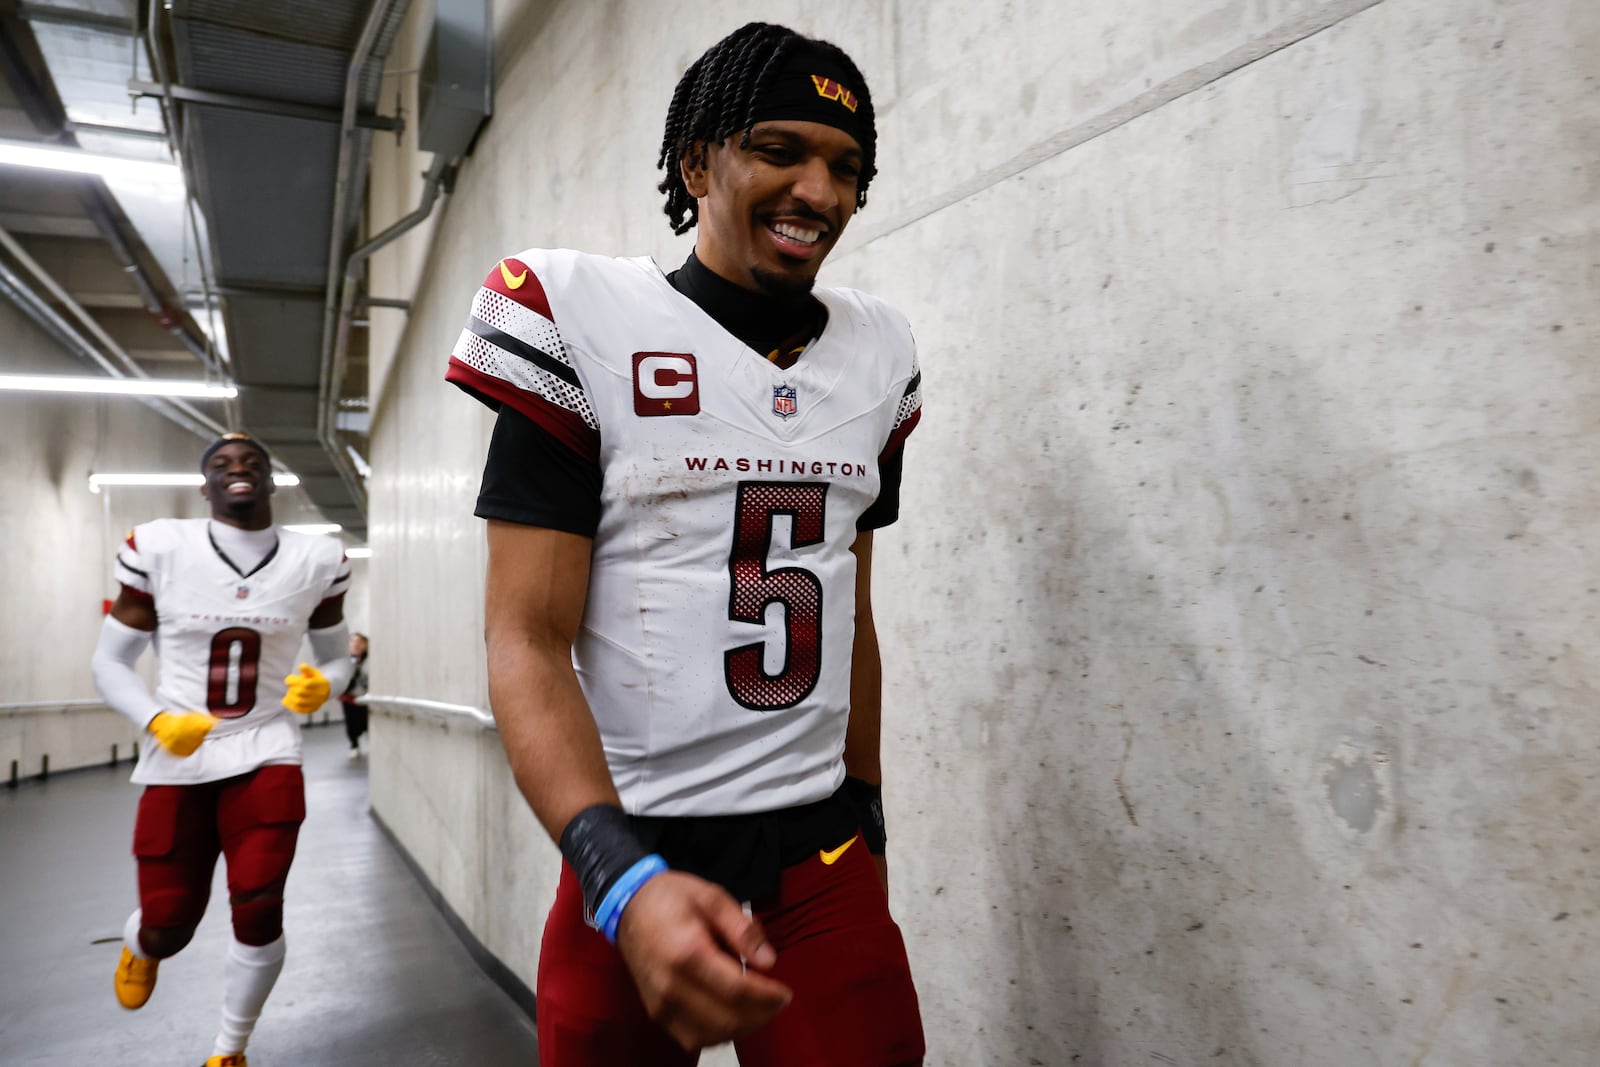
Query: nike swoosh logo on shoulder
[513,281]
[830,858]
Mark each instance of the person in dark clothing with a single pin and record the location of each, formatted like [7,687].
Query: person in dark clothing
[355,712]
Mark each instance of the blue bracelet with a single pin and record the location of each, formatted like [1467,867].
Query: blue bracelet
[609,913]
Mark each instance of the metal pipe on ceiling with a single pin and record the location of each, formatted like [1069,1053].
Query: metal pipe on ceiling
[128,368]
[103,130]
[167,318]
[440,176]
[367,120]
[36,308]
[20,254]
[169,119]
[327,398]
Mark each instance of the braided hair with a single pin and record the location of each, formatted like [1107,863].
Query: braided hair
[717,96]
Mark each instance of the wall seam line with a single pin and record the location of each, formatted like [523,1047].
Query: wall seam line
[1156,97]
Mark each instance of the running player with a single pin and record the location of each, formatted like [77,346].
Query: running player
[682,488]
[229,600]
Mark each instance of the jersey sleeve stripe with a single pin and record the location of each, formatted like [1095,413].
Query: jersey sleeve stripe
[131,577]
[489,360]
[906,414]
[524,324]
[516,346]
[567,426]
[902,430]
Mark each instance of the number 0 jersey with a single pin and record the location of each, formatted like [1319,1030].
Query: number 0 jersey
[715,647]
[226,641]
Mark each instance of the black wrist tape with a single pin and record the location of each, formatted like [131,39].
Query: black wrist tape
[868,802]
[600,845]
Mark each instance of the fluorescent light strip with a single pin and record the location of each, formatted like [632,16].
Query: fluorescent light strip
[359,552]
[56,383]
[77,161]
[314,527]
[96,481]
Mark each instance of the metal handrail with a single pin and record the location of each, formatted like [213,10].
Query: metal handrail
[52,705]
[437,709]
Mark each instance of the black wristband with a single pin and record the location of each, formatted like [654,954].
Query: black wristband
[868,802]
[600,845]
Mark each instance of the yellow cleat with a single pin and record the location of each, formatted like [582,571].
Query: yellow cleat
[136,980]
[235,1060]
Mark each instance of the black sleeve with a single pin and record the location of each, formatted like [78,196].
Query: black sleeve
[886,509]
[532,478]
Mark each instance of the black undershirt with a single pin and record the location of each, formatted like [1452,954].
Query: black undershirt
[532,478]
[771,325]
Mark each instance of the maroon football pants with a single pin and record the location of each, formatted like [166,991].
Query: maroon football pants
[253,820]
[838,949]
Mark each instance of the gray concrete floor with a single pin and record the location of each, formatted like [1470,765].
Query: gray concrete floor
[373,975]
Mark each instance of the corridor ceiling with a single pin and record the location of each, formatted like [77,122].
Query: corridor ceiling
[252,96]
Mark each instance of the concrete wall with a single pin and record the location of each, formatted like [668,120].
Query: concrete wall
[57,539]
[444,782]
[1239,707]
[37,740]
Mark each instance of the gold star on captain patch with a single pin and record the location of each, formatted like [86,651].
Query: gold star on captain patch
[666,405]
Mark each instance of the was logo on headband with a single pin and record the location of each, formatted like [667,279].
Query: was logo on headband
[829,89]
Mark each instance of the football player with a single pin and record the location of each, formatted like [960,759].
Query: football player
[228,599]
[682,487]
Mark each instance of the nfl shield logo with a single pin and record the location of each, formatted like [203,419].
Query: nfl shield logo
[242,592]
[783,401]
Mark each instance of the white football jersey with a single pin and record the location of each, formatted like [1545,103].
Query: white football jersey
[716,639]
[225,641]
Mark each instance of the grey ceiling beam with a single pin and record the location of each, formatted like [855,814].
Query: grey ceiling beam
[24,68]
[50,225]
[264,105]
[78,19]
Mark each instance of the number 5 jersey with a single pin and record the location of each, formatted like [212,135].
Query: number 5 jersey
[715,646]
[225,641]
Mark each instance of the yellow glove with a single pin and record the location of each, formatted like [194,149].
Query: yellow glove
[308,690]
[180,732]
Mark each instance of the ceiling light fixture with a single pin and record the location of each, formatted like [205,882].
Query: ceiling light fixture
[359,552]
[314,527]
[97,481]
[77,161]
[58,383]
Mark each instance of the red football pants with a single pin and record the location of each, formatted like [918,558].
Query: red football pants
[253,820]
[838,949]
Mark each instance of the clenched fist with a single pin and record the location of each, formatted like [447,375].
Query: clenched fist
[308,690]
[180,732]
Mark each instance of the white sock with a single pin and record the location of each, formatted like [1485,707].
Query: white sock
[130,934]
[247,978]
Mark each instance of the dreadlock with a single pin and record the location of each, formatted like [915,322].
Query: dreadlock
[717,95]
